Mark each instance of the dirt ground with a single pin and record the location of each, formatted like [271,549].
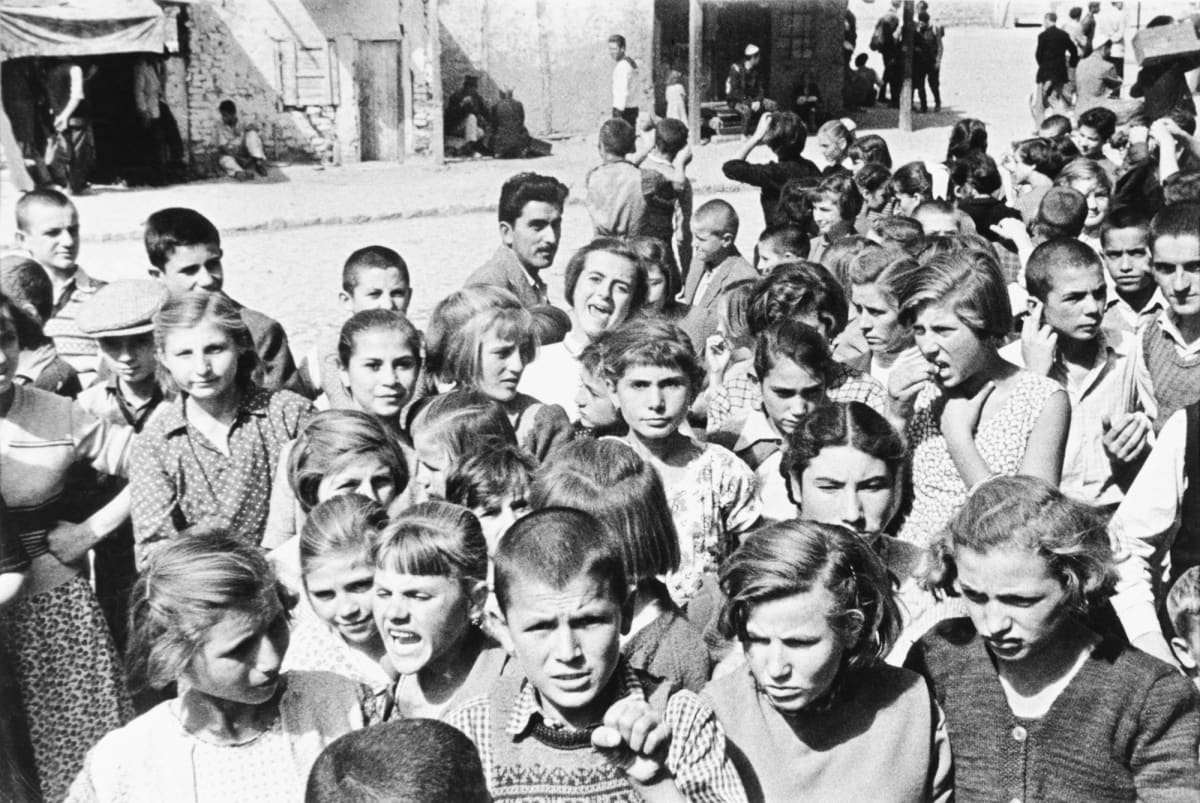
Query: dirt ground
[292,273]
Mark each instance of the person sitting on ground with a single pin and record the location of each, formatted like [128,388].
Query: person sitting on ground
[239,145]
[466,118]
[584,723]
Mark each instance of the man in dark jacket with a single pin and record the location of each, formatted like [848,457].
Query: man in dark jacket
[1056,54]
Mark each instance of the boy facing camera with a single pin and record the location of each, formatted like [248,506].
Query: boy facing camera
[582,724]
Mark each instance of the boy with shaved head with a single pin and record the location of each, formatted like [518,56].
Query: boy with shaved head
[582,724]
[716,264]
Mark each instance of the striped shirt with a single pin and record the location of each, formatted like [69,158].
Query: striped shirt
[79,350]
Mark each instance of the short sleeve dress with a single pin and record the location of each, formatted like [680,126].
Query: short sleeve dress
[938,489]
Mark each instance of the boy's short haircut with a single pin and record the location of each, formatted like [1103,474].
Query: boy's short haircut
[1181,220]
[1101,120]
[1182,188]
[1055,126]
[977,170]
[618,40]
[550,324]
[554,546]
[651,342]
[25,282]
[787,238]
[177,227]
[898,231]
[43,196]
[1075,13]
[798,288]
[617,137]
[525,188]
[719,215]
[227,107]
[1053,257]
[371,257]
[486,477]
[609,245]
[1183,603]
[860,60]
[792,340]
[1061,213]
[402,761]
[1125,217]
[670,137]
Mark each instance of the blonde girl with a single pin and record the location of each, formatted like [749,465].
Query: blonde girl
[482,339]
[209,455]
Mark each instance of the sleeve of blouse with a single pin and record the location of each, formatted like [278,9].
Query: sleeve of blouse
[155,495]
[1165,745]
[281,513]
[105,446]
[739,498]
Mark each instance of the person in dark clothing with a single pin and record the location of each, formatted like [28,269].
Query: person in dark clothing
[976,180]
[510,138]
[25,103]
[785,135]
[1163,86]
[466,115]
[1056,54]
[744,90]
[886,40]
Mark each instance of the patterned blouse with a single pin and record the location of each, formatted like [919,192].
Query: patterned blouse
[938,488]
[179,479]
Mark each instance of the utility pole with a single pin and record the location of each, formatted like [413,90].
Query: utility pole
[906,90]
[695,31]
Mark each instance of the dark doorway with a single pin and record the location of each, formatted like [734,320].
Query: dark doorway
[124,146]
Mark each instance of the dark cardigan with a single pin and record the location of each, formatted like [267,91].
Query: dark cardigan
[1125,728]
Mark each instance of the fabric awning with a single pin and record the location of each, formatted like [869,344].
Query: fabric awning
[79,27]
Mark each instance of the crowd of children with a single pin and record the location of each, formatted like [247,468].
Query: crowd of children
[905,505]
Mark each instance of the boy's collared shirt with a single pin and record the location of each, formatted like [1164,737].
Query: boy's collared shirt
[107,400]
[1106,390]
[703,291]
[1119,315]
[80,351]
[754,439]
[1144,383]
[697,757]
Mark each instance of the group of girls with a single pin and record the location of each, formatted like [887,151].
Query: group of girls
[306,573]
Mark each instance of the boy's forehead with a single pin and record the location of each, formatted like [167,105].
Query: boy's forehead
[389,276]
[1179,248]
[531,595]
[1074,275]
[1130,234]
[42,216]
[192,254]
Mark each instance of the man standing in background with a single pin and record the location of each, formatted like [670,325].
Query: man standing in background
[624,81]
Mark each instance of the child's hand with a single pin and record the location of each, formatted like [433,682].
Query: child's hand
[716,356]
[960,414]
[635,739]
[1163,131]
[70,542]
[1125,438]
[909,375]
[764,123]
[1039,342]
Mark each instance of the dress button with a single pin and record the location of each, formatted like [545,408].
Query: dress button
[1019,734]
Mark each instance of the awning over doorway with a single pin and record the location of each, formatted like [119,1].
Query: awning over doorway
[79,27]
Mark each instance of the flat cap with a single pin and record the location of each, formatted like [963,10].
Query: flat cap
[125,307]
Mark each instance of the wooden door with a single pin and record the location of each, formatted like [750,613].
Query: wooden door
[379,102]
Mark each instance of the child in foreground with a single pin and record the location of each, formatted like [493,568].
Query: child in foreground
[814,611]
[1026,681]
[581,724]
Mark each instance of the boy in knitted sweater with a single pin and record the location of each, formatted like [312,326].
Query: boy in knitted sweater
[582,724]
[1167,366]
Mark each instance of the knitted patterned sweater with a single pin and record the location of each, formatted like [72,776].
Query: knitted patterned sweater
[1125,728]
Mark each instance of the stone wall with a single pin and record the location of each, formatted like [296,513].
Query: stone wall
[552,53]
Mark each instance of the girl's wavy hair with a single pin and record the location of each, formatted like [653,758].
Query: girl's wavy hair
[969,283]
[433,538]
[795,557]
[332,440]
[1031,514]
[345,523]
[188,586]
[913,179]
[455,336]
[191,309]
